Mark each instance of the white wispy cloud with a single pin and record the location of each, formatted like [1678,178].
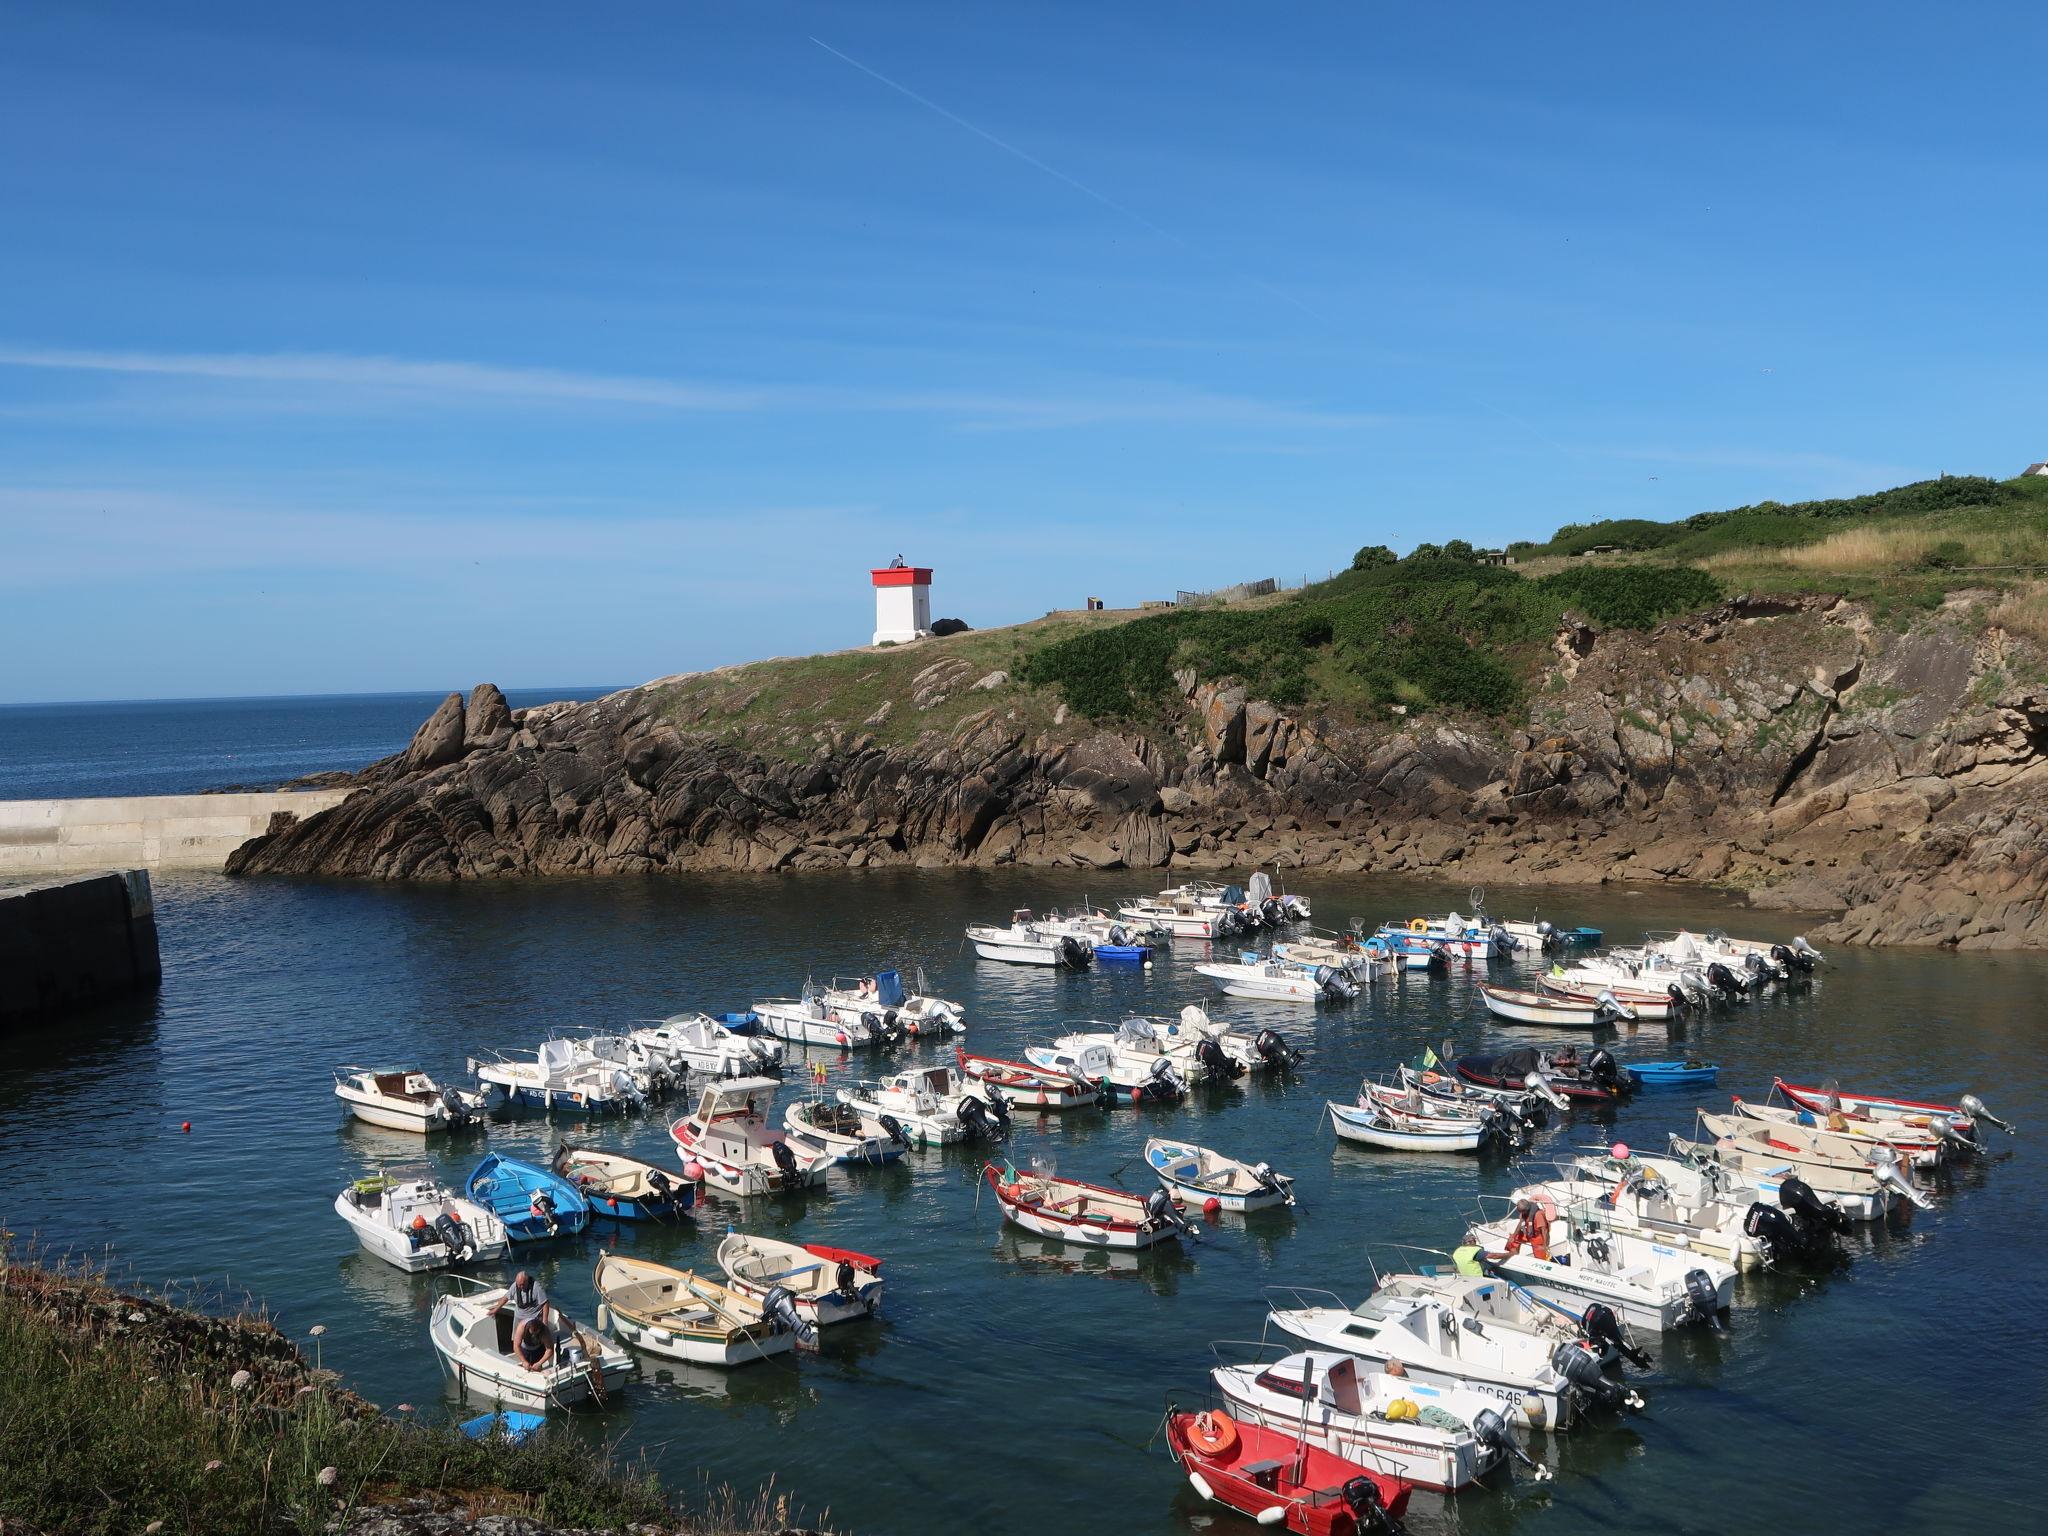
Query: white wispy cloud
[373,380]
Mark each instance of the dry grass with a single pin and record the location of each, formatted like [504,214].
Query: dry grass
[1858,550]
[2024,612]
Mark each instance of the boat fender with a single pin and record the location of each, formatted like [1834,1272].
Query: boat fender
[1213,1434]
[1271,1515]
[604,1317]
[1201,1486]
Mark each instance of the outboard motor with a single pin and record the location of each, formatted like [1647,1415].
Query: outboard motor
[779,1307]
[1973,1106]
[1501,1131]
[973,1115]
[1723,980]
[1703,1302]
[1539,1085]
[1119,935]
[1264,1173]
[1074,953]
[1804,955]
[454,1236]
[1947,1131]
[1160,1211]
[1504,943]
[893,1129]
[1602,1328]
[1335,985]
[1272,1048]
[658,1182]
[1612,1007]
[1601,1069]
[1884,1165]
[1272,913]
[1491,1431]
[1217,1062]
[786,1161]
[999,1107]
[1797,1196]
[1760,971]
[891,1031]
[843,1278]
[1777,1235]
[1578,1364]
[543,1205]
[1164,1085]
[1369,1513]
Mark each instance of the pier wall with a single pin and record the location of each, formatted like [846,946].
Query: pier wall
[52,837]
[74,943]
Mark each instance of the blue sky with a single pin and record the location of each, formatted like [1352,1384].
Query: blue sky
[380,347]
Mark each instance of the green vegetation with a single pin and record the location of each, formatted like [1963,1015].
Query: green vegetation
[178,1424]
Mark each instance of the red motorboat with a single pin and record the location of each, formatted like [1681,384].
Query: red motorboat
[1277,1478]
[1593,1076]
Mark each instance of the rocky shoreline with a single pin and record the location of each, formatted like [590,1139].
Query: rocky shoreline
[1805,750]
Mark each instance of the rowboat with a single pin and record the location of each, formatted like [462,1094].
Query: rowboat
[1025,941]
[1528,1102]
[1921,1147]
[1556,1009]
[417,1224]
[728,1139]
[1740,1163]
[1961,1116]
[679,1314]
[1090,1215]
[1025,1086]
[1647,1004]
[1558,1258]
[827,1285]
[1203,1178]
[1375,1125]
[474,1337]
[1408,1102]
[826,1125]
[405,1100]
[1331,1401]
[532,1202]
[1276,1478]
[1672,1074]
[624,1188]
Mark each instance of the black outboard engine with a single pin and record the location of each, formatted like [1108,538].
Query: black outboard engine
[1761,972]
[1491,1431]
[999,1107]
[1812,1212]
[1119,935]
[1074,953]
[453,1236]
[786,1161]
[1804,955]
[1679,1001]
[1603,1330]
[1502,1131]
[843,1277]
[892,1031]
[1777,1236]
[1577,1363]
[1272,913]
[779,1307]
[1369,1513]
[1221,1066]
[1160,1211]
[1703,1302]
[893,1129]
[1272,1048]
[1601,1068]
[1504,943]
[658,1183]
[974,1116]
[543,1206]
[1723,980]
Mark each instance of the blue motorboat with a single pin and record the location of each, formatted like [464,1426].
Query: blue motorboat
[1673,1074]
[625,1188]
[533,1203]
[747,1023]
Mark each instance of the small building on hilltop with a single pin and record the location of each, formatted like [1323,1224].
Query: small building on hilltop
[2036,469]
[903,602]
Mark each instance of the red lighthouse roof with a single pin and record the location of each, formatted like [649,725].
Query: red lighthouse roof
[902,575]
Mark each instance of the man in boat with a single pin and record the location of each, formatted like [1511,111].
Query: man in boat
[1532,1231]
[532,1338]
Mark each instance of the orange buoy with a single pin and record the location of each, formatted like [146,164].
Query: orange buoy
[186,1127]
[1213,1434]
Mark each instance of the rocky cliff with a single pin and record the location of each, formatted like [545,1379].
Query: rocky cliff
[1803,749]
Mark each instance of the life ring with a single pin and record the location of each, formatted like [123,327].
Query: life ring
[1418,925]
[1213,1434]
[547,1354]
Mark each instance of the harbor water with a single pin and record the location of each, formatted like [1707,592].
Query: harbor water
[1012,1384]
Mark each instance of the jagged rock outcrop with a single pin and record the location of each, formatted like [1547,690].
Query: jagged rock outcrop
[1792,746]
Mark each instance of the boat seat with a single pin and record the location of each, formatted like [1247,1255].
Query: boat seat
[1265,1473]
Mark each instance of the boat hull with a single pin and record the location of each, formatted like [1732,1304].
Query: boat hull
[1357,1126]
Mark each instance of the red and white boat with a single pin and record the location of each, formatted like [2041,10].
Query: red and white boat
[1279,1479]
[1026,1086]
[1962,1115]
[1090,1215]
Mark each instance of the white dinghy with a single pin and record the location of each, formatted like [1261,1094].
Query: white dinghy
[810,1020]
[1274,980]
[555,1362]
[1648,1284]
[417,1224]
[826,1125]
[928,1107]
[405,1100]
[696,1042]
[728,1138]
[1025,941]
[891,1013]
[558,1077]
[680,1315]
[826,1285]
[1200,1176]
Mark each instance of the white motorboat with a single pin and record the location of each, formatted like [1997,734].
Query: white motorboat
[473,1333]
[1342,953]
[1457,936]
[827,1285]
[1328,1399]
[696,1042]
[1196,1049]
[1533,1379]
[1557,1010]
[1646,1283]
[1529,1103]
[651,1071]
[682,1315]
[1744,1176]
[728,1137]
[1856,1174]
[1024,1086]
[809,1020]
[1089,1215]
[1257,976]
[1110,937]
[1181,919]
[1025,941]
[1200,1176]
[892,1014]
[558,1077]
[826,1125]
[1625,1196]
[624,1188]
[1129,1059]
[1192,1030]
[1410,1105]
[418,1224]
[927,1106]
[1378,1125]
[405,1100]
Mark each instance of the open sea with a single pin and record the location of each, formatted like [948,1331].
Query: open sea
[1012,1385]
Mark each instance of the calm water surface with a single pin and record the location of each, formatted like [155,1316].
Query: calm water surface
[1012,1384]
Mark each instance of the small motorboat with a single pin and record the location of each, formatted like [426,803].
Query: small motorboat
[1555,1009]
[1960,1117]
[1457,936]
[1286,981]
[1648,1284]
[417,1224]
[826,1125]
[651,1072]
[929,1106]
[827,1285]
[533,1203]
[558,1078]
[1377,1125]
[680,1315]
[1217,1050]
[1277,1478]
[696,1042]
[1117,1075]
[1026,941]
[1024,1086]
[1407,1102]
[1621,1193]
[1212,1182]
[1646,1006]
[1332,1402]
[624,1188]
[405,1100]
[1691,1073]
[1823,1158]
[891,1013]
[557,1363]
[810,1020]
[1921,1147]
[1860,1191]
[1536,934]
[1529,1103]
[727,1138]
[1090,1215]
[1594,1078]
[1182,919]
[1109,937]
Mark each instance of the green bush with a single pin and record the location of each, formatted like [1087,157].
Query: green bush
[1373,556]
[1948,555]
[1633,596]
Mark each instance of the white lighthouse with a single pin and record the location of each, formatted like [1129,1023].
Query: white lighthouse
[903,601]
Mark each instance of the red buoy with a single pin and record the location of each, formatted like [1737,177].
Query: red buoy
[1212,1208]
[186,1127]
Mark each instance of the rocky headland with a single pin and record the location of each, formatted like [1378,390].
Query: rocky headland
[1799,748]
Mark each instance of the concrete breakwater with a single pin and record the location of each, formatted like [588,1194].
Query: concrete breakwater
[70,944]
[51,837]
